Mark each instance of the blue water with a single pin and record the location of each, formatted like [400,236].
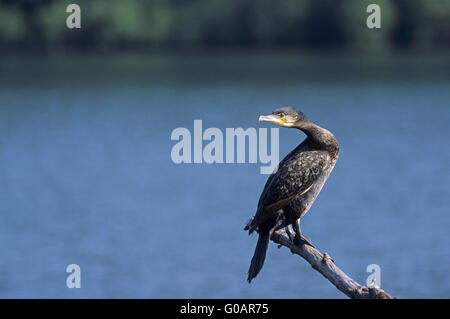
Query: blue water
[86,176]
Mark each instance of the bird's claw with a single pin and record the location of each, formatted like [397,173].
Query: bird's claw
[302,240]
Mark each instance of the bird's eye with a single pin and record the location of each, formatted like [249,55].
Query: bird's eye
[281,115]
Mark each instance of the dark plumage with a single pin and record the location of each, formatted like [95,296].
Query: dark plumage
[292,188]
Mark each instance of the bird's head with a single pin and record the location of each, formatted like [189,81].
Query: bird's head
[286,117]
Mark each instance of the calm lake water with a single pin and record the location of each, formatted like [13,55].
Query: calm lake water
[87,178]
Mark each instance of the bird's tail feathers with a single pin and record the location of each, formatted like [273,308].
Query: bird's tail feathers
[259,256]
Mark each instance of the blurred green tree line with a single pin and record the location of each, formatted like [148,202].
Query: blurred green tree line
[119,24]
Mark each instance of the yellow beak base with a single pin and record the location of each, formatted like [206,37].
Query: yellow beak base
[273,119]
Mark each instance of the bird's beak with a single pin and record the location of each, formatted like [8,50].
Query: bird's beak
[272,118]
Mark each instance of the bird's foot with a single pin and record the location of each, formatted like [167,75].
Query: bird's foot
[291,237]
[290,234]
[302,240]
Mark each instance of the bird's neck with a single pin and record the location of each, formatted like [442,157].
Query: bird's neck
[319,136]
[312,130]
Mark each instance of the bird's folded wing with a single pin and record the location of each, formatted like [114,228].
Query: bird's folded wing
[294,178]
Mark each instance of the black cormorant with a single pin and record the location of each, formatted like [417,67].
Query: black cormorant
[292,188]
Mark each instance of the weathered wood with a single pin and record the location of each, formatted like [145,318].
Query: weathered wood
[326,266]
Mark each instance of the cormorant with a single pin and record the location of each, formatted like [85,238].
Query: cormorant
[292,188]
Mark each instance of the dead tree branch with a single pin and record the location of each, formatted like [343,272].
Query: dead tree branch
[325,265]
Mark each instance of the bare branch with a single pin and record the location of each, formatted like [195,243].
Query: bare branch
[325,265]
